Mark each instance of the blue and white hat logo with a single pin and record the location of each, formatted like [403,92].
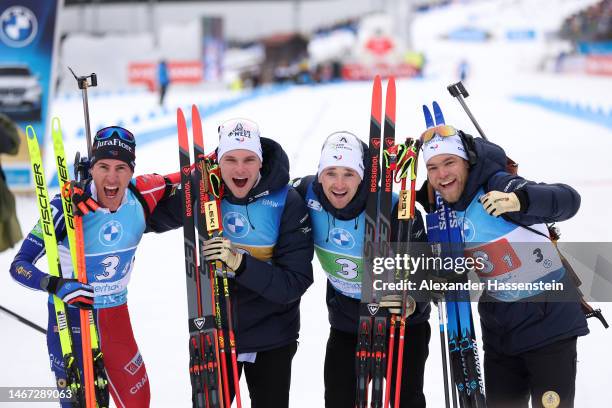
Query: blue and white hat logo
[18,26]
[341,238]
[236,224]
[110,233]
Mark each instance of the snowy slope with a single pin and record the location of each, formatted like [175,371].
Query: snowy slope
[300,118]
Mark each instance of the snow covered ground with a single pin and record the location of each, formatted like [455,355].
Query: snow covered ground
[548,146]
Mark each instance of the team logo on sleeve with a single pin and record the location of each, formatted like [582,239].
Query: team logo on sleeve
[110,233]
[341,238]
[236,225]
[314,204]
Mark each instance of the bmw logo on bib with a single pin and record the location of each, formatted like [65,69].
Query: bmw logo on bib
[468,229]
[111,233]
[341,238]
[18,26]
[236,225]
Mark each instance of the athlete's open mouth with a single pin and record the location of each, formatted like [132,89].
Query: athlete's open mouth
[240,182]
[447,184]
[111,192]
[339,194]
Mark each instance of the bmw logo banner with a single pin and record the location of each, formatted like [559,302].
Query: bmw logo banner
[27,38]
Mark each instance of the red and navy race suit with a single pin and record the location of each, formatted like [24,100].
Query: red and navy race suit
[110,240]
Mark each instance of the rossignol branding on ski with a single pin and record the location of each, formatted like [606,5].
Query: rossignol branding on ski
[207,346]
[398,165]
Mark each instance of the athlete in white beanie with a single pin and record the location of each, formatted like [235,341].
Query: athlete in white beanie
[341,167]
[444,145]
[447,163]
[239,134]
[240,155]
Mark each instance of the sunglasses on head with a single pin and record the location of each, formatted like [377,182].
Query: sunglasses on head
[108,132]
[440,130]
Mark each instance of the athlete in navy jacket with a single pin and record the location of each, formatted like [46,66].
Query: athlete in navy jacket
[529,341]
[267,244]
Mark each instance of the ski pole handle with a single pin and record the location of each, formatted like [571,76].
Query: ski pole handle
[458,91]
[83,83]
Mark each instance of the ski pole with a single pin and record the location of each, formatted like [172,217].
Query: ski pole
[23,320]
[458,91]
[85,82]
[81,165]
[406,212]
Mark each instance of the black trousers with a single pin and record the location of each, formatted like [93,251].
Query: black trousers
[268,378]
[340,378]
[547,373]
[162,93]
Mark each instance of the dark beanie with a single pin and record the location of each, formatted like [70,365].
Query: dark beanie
[114,142]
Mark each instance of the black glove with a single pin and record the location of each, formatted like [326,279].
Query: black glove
[71,291]
[422,196]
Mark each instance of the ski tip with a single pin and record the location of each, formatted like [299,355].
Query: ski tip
[30,133]
[55,124]
[377,100]
[438,115]
[428,118]
[180,116]
[377,84]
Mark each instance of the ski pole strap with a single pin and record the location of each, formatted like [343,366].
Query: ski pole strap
[211,176]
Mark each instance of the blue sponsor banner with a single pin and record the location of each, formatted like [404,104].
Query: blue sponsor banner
[213,48]
[27,38]
[595,48]
[470,34]
[521,35]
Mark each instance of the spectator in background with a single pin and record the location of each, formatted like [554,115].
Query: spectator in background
[10,232]
[163,79]
[463,70]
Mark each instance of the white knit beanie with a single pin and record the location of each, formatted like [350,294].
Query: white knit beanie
[444,145]
[342,149]
[237,134]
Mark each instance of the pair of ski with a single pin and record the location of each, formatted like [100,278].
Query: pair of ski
[209,379]
[89,389]
[457,335]
[399,163]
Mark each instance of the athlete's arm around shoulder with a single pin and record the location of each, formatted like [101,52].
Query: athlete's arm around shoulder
[540,202]
[163,201]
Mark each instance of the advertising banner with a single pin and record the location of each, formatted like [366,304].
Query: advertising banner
[27,38]
[213,47]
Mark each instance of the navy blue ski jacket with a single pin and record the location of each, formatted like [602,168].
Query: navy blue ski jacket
[513,328]
[343,311]
[265,295]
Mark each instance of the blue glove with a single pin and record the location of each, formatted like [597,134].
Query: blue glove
[71,291]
